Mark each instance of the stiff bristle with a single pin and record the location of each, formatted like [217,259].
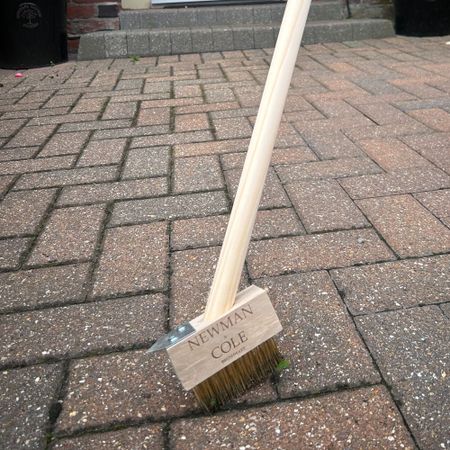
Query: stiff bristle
[234,379]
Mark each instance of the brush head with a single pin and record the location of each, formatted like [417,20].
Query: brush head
[234,379]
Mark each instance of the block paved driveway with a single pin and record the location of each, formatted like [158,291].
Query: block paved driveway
[116,181]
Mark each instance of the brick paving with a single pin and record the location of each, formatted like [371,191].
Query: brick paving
[116,184]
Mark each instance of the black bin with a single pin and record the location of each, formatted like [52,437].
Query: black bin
[422,17]
[32,34]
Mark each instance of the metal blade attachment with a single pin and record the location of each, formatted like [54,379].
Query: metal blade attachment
[175,336]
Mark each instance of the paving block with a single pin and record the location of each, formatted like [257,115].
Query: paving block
[199,173]
[70,234]
[263,36]
[26,399]
[321,356]
[262,14]
[160,43]
[176,207]
[146,162]
[235,15]
[391,154]
[138,43]
[122,387]
[31,136]
[11,251]
[393,285]
[273,195]
[26,289]
[337,168]
[191,278]
[243,38]
[131,20]
[77,330]
[313,252]
[206,17]
[92,46]
[115,44]
[332,31]
[411,350]
[134,259]
[208,231]
[181,40]
[371,29]
[22,212]
[108,192]
[81,175]
[144,437]
[398,182]
[324,206]
[202,40]
[367,417]
[406,226]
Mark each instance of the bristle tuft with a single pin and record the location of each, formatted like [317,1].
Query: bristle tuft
[234,379]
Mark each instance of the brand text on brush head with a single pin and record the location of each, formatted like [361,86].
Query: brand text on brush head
[223,325]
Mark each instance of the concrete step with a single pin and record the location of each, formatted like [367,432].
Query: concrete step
[232,15]
[168,41]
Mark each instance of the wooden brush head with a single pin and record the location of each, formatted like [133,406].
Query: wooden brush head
[216,345]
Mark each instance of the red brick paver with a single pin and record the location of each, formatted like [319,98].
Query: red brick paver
[116,184]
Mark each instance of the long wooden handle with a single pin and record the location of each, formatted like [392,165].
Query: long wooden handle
[234,249]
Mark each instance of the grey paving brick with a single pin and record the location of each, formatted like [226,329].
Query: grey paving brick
[5,182]
[115,44]
[372,29]
[160,43]
[331,145]
[31,135]
[92,46]
[222,39]
[192,275]
[202,40]
[104,152]
[36,165]
[181,41]
[207,231]
[138,43]
[263,36]
[243,38]
[64,144]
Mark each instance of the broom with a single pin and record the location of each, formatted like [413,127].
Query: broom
[231,346]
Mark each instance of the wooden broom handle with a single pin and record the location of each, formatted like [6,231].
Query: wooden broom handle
[240,226]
